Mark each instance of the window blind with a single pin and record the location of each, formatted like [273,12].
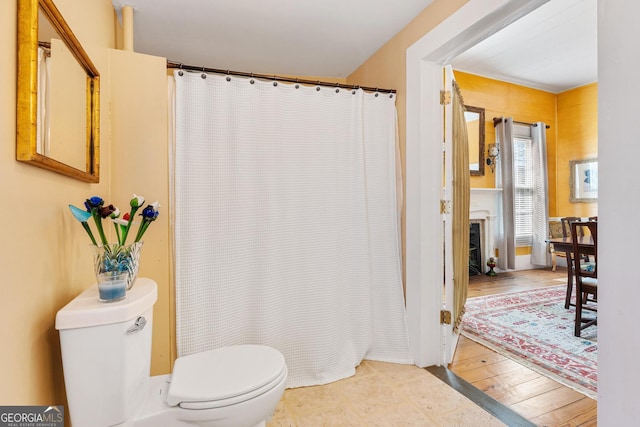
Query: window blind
[523,188]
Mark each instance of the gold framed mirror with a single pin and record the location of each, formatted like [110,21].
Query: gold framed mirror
[474,116]
[58,95]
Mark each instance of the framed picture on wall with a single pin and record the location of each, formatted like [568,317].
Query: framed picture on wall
[583,176]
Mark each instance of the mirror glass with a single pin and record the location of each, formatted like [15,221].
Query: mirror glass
[61,98]
[474,117]
[58,95]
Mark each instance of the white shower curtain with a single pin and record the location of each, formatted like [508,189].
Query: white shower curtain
[286,223]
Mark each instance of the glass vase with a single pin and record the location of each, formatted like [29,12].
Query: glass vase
[112,286]
[116,258]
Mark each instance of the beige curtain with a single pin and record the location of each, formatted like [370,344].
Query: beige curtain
[460,209]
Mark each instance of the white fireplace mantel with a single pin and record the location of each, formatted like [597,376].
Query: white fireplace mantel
[483,207]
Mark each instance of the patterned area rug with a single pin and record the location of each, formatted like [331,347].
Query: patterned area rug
[534,329]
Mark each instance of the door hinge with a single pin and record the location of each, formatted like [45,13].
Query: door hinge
[445,97]
[445,317]
[445,206]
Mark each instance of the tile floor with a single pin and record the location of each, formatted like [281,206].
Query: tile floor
[380,394]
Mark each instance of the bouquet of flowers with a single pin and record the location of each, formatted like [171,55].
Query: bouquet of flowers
[116,257]
[96,209]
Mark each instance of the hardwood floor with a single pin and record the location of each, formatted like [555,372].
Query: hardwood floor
[534,396]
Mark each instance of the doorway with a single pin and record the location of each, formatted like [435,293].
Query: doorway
[472,23]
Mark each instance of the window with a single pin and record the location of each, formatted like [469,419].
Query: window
[523,189]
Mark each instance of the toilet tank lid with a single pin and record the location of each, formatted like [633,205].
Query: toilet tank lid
[86,310]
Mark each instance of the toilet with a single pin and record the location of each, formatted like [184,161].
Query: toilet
[106,356]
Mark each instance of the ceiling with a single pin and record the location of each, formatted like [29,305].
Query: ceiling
[553,48]
[308,38]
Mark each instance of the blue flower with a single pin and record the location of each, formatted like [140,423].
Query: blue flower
[149,214]
[79,214]
[83,217]
[93,202]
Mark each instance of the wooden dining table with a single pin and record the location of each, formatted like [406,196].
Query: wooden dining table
[565,244]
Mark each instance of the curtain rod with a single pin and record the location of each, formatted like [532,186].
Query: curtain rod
[497,120]
[171,64]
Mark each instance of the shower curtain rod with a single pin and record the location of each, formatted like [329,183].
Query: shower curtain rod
[497,120]
[171,64]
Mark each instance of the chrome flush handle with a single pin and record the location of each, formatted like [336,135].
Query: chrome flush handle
[141,322]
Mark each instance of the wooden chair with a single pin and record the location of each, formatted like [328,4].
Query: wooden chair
[566,226]
[566,232]
[585,267]
[555,230]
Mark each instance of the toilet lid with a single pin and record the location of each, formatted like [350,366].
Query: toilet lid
[224,376]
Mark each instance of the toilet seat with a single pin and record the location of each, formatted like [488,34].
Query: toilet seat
[224,376]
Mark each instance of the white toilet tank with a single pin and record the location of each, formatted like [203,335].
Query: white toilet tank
[106,354]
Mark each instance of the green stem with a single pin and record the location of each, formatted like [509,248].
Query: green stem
[142,229]
[117,227]
[98,220]
[88,229]
[125,233]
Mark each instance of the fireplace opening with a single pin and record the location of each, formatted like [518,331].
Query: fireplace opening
[475,249]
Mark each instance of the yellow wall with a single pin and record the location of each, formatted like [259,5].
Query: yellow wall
[505,99]
[573,134]
[577,140]
[44,255]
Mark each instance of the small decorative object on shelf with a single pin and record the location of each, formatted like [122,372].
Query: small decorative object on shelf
[491,263]
[116,264]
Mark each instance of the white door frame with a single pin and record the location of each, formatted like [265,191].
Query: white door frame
[473,22]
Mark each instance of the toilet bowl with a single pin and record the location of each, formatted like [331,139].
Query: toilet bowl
[106,353]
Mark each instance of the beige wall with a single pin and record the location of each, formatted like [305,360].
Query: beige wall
[387,68]
[46,255]
[140,165]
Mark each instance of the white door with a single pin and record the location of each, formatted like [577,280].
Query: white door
[449,337]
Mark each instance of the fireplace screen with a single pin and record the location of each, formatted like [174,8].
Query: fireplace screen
[475,250]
